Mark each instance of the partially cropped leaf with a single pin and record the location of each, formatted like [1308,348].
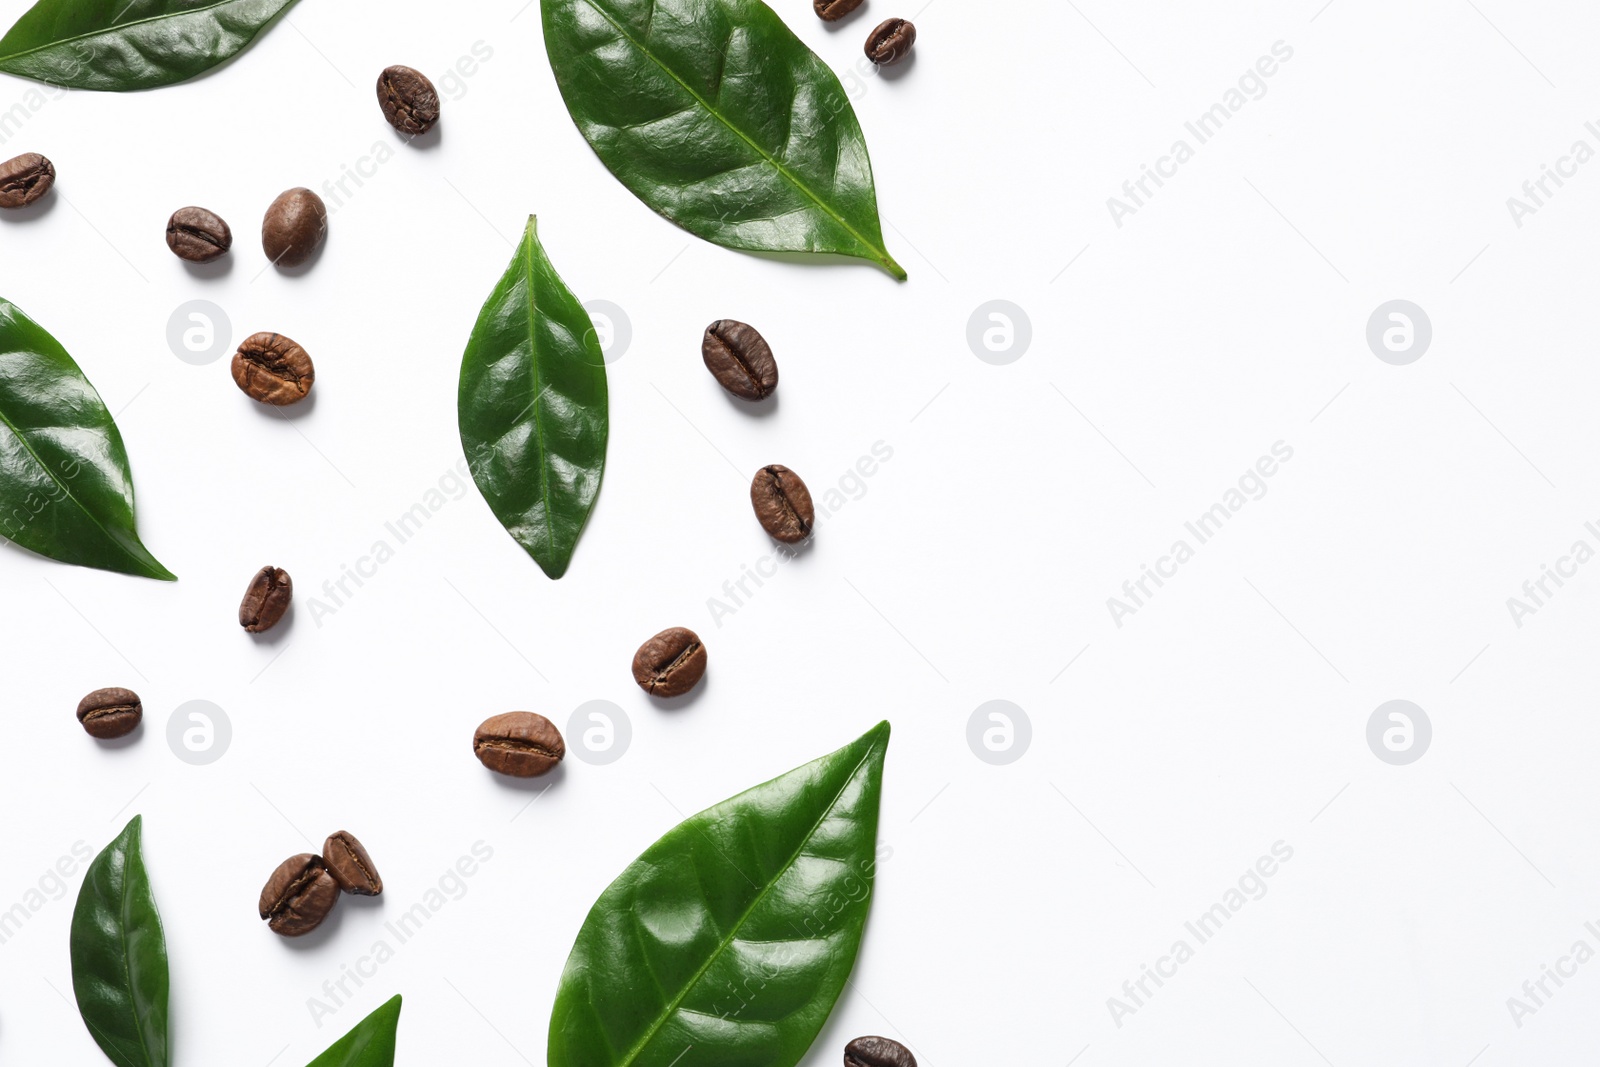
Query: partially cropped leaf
[733,934]
[717,116]
[131,44]
[119,956]
[65,488]
[370,1044]
[533,407]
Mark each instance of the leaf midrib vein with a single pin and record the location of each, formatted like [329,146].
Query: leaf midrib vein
[733,931]
[127,956]
[538,393]
[881,254]
[117,28]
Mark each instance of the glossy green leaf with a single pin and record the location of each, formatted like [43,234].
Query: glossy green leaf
[717,116]
[533,407]
[65,488]
[119,956]
[370,1044]
[131,44]
[735,932]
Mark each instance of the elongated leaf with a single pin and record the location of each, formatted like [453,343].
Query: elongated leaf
[131,44]
[65,488]
[119,956]
[719,118]
[533,407]
[370,1044]
[735,932]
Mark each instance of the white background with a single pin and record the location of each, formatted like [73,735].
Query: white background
[1228,714]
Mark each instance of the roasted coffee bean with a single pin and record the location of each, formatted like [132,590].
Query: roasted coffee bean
[891,41]
[408,100]
[834,10]
[109,713]
[294,228]
[273,369]
[198,235]
[671,663]
[740,359]
[25,179]
[877,1052]
[350,865]
[782,503]
[519,743]
[298,896]
[266,600]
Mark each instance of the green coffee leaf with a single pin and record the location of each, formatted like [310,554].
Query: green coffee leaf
[119,956]
[120,45]
[717,116]
[735,932]
[532,407]
[65,488]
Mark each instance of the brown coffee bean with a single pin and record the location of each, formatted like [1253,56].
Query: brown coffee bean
[266,600]
[408,100]
[834,10]
[294,227]
[25,179]
[298,896]
[198,235]
[877,1052]
[671,663]
[740,359]
[109,713]
[522,744]
[350,865]
[271,368]
[782,503]
[891,41]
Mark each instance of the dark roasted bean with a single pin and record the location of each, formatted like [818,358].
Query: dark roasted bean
[266,600]
[833,10]
[198,235]
[109,713]
[294,227]
[891,41]
[522,744]
[25,179]
[877,1052]
[348,862]
[298,896]
[271,368]
[740,359]
[782,503]
[671,663]
[408,100]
